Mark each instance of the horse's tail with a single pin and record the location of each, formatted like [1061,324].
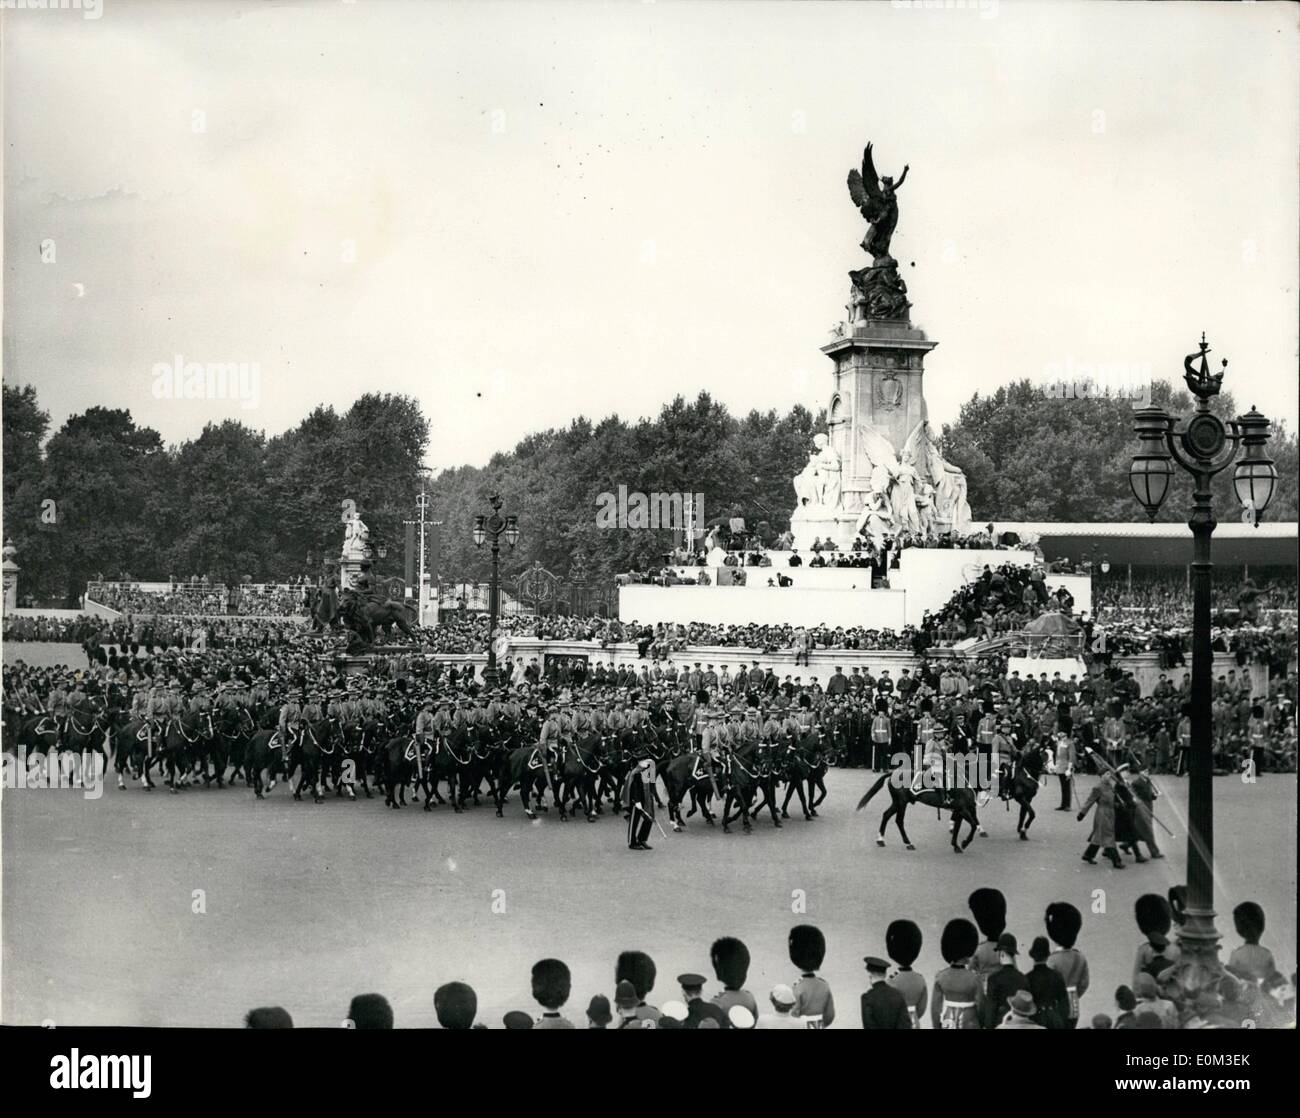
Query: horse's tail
[872,791]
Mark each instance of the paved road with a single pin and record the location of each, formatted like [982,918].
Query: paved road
[305,905]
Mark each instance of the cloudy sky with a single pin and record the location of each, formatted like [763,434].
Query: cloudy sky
[523,212]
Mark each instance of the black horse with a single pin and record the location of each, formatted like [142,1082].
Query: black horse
[959,801]
[1019,781]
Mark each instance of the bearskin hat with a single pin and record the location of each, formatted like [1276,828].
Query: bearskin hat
[927,705]
[1153,914]
[1248,919]
[1064,922]
[903,942]
[551,983]
[807,946]
[959,940]
[988,706]
[805,701]
[637,968]
[730,961]
[882,707]
[989,907]
[1065,724]
[701,696]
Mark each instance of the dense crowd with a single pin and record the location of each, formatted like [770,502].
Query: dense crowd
[989,982]
[1001,601]
[198,599]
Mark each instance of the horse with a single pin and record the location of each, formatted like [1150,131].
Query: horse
[523,767]
[749,772]
[579,767]
[680,779]
[805,763]
[325,609]
[960,801]
[315,746]
[184,740]
[452,760]
[266,752]
[1019,782]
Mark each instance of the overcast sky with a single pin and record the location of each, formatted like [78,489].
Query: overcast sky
[519,213]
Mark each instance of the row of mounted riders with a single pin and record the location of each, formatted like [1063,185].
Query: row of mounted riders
[582,770]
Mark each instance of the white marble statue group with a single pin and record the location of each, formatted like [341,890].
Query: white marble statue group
[916,492]
[356,537]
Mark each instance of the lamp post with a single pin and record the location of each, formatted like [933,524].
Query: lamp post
[493,528]
[1203,447]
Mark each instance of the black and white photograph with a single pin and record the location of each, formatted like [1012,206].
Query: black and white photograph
[584,514]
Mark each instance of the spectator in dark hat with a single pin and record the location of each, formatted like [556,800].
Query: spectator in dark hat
[883,1007]
[1003,982]
[1126,1004]
[517,1019]
[455,1003]
[551,983]
[598,1012]
[813,999]
[268,1017]
[1047,987]
[731,966]
[1251,961]
[370,1011]
[697,1009]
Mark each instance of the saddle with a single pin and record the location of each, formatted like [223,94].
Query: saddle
[412,746]
[535,760]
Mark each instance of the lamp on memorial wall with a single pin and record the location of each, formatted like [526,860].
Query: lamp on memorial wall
[1203,447]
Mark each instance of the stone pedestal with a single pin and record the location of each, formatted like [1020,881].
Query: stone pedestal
[349,568]
[879,367]
[810,524]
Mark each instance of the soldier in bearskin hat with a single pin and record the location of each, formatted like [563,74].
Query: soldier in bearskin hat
[958,998]
[1154,919]
[1064,922]
[730,958]
[989,907]
[903,945]
[813,999]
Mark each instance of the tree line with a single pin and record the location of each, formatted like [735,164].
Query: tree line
[104,496]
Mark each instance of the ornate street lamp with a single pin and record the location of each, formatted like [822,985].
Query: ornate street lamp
[1203,447]
[493,528]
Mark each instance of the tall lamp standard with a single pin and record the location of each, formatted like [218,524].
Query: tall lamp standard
[493,528]
[1203,447]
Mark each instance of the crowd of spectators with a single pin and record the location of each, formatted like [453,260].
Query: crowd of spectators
[988,984]
[284,599]
[1001,601]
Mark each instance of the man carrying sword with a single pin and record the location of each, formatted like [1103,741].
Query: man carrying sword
[638,791]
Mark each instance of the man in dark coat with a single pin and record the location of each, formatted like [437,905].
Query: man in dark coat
[1048,988]
[1003,982]
[883,1007]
